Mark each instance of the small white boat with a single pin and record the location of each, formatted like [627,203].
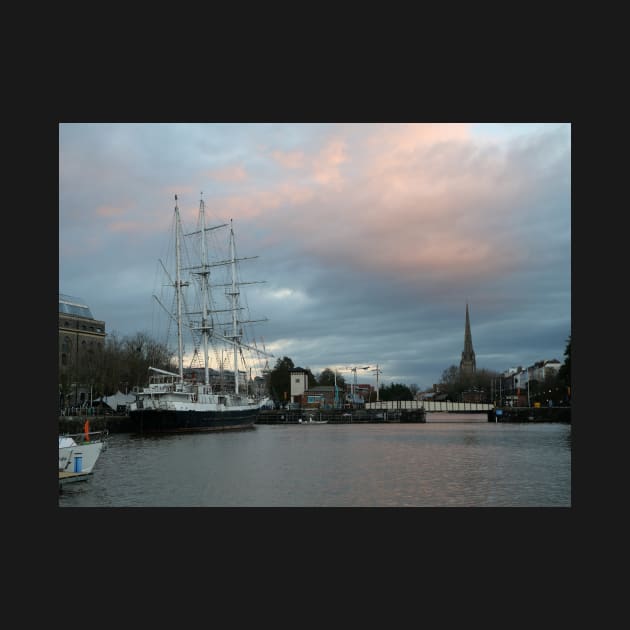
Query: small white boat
[78,454]
[311,421]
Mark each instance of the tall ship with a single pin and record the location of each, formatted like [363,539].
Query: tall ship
[208,306]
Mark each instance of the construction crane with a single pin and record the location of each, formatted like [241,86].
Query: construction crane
[353,384]
[377,370]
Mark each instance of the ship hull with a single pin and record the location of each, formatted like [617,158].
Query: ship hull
[176,421]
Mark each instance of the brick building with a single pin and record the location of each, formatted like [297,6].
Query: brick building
[81,346]
[319,397]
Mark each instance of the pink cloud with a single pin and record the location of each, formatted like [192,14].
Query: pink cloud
[292,159]
[421,156]
[402,138]
[127,227]
[228,174]
[250,205]
[148,219]
[326,164]
[421,203]
[294,194]
[109,211]
[264,202]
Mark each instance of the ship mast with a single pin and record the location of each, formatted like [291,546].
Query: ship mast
[203,270]
[204,292]
[178,285]
[234,300]
[232,293]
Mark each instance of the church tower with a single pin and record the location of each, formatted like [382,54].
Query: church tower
[467,365]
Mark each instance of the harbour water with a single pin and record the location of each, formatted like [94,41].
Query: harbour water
[466,463]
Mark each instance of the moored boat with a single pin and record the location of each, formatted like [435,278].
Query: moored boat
[171,403]
[78,454]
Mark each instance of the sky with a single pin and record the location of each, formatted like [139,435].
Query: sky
[371,237]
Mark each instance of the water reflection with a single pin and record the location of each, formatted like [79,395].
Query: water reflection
[433,465]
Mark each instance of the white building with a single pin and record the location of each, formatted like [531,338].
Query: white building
[299,384]
[541,370]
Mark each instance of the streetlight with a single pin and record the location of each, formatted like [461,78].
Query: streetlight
[529,404]
[378,371]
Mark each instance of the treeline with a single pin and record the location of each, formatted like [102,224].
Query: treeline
[279,383]
[453,383]
[122,365]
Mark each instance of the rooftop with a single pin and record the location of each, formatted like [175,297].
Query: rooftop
[74,306]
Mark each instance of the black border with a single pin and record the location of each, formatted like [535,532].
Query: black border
[182,538]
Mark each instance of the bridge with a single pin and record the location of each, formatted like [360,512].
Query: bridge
[431,405]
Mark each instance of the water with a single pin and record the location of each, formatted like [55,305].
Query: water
[437,464]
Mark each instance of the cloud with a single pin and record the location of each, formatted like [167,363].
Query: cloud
[292,159]
[234,173]
[371,237]
[326,165]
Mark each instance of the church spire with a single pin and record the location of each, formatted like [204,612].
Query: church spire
[467,365]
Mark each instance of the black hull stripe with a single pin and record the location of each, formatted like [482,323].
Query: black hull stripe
[168,421]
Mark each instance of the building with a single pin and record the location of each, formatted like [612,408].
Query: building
[468,365]
[319,397]
[299,384]
[514,386]
[544,369]
[81,346]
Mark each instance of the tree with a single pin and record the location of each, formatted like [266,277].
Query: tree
[450,382]
[483,382]
[547,389]
[327,377]
[395,391]
[280,379]
[311,379]
[126,361]
[453,382]
[564,373]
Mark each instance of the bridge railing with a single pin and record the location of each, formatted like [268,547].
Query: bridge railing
[431,405]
